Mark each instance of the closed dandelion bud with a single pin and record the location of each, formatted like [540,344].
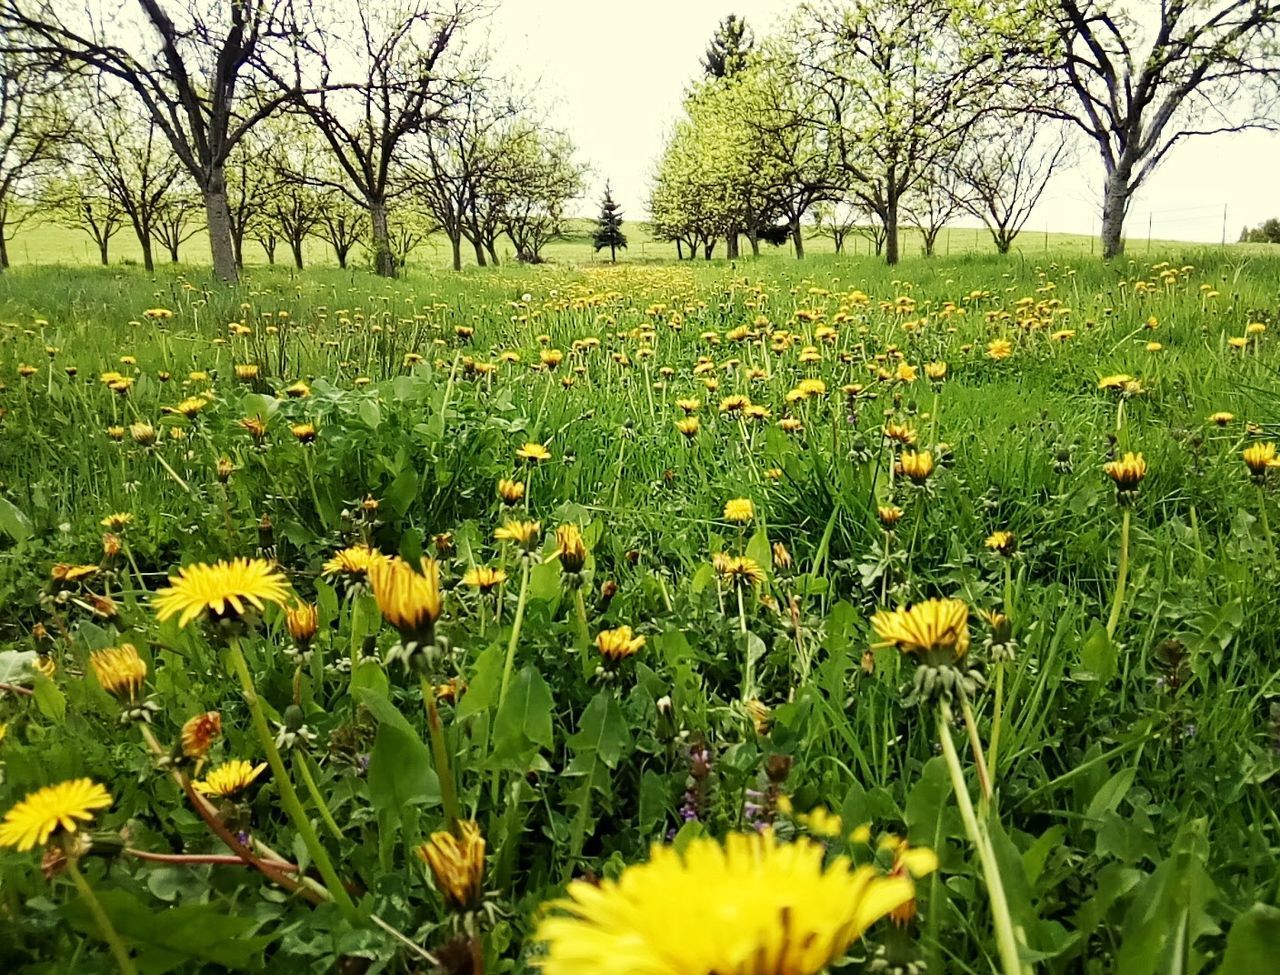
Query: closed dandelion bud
[143,434]
[443,543]
[105,845]
[199,734]
[266,534]
[303,621]
[110,546]
[457,865]
[120,671]
[889,515]
[1127,473]
[608,589]
[224,469]
[293,718]
[510,492]
[570,549]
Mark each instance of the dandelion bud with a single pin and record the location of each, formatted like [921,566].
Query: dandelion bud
[571,550]
[224,469]
[457,865]
[143,434]
[199,734]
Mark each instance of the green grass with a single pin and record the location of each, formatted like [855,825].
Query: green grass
[1133,822]
[44,244]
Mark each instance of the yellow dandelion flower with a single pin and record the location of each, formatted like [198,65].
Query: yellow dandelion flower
[534,453]
[739,570]
[410,600]
[484,578]
[999,349]
[523,533]
[511,492]
[1221,418]
[1127,473]
[571,550]
[915,466]
[751,906]
[120,671]
[224,590]
[1259,457]
[457,864]
[1002,542]
[739,510]
[352,563]
[229,778]
[616,645]
[303,621]
[56,807]
[933,627]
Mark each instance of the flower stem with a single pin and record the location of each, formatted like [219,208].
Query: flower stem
[584,635]
[1121,575]
[748,668]
[975,743]
[1006,940]
[997,716]
[288,796]
[303,768]
[172,473]
[516,624]
[440,755]
[1266,523]
[105,927]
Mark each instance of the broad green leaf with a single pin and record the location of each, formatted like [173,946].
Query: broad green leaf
[13,522]
[524,719]
[602,732]
[1253,944]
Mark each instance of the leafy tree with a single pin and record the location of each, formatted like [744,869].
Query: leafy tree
[1138,86]
[190,64]
[608,231]
[730,48]
[898,84]
[1267,232]
[543,178]
[33,130]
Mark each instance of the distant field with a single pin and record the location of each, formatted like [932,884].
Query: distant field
[51,244]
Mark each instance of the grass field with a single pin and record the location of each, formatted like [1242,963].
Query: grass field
[1080,717]
[44,244]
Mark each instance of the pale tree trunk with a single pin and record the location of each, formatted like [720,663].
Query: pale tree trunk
[1115,206]
[797,239]
[384,260]
[218,218]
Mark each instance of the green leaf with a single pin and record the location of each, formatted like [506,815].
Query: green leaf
[175,937]
[13,522]
[482,687]
[1112,792]
[1253,944]
[369,413]
[400,772]
[49,699]
[602,733]
[653,801]
[1098,655]
[15,665]
[525,717]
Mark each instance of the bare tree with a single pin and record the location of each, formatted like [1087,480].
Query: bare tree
[1140,87]
[128,156]
[936,200]
[78,200]
[188,61]
[1004,170]
[33,131]
[836,220]
[177,220]
[370,76]
[342,224]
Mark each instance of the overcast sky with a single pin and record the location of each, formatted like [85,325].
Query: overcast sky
[615,72]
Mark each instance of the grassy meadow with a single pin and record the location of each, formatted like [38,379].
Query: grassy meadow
[763,461]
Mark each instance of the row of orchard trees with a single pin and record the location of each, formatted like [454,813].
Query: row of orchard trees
[274,121]
[864,116]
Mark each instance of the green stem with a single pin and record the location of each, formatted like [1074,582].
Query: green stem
[1121,575]
[1006,940]
[584,634]
[105,927]
[997,716]
[440,756]
[300,763]
[748,675]
[1266,524]
[975,743]
[509,665]
[172,473]
[288,795]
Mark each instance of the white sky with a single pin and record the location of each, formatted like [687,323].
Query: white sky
[615,72]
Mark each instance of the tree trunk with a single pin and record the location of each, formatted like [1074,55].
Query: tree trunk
[838,240]
[4,249]
[797,239]
[237,247]
[755,243]
[613,253]
[731,245]
[456,241]
[930,239]
[148,256]
[384,260]
[679,250]
[341,253]
[1115,205]
[1004,240]
[173,250]
[103,244]
[218,218]
[891,255]
[479,249]
[492,248]
[296,247]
